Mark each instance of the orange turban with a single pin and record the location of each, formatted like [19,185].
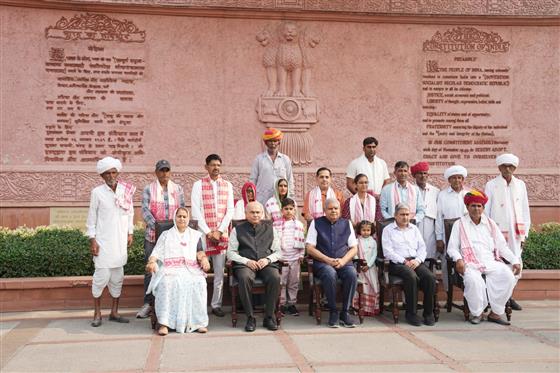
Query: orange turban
[420,167]
[272,134]
[475,196]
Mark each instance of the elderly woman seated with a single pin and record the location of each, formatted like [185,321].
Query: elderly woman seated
[179,283]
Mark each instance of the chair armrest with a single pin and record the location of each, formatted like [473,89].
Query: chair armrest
[309,261]
[386,270]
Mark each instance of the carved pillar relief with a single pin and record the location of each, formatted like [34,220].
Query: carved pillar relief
[288,103]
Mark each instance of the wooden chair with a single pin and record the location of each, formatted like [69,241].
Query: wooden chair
[160,228]
[258,287]
[456,280]
[316,291]
[395,283]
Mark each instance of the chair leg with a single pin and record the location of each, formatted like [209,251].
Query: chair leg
[360,303]
[508,310]
[277,312]
[311,307]
[317,291]
[234,306]
[436,305]
[395,304]
[449,297]
[381,299]
[466,311]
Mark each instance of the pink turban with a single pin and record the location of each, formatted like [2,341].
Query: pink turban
[420,167]
[475,196]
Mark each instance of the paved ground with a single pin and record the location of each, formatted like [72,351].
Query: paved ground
[63,341]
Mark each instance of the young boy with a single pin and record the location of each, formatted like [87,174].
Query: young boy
[292,243]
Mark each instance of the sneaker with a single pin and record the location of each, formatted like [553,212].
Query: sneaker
[333,319]
[284,310]
[144,312]
[292,310]
[346,321]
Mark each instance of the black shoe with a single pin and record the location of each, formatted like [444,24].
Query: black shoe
[429,320]
[292,310]
[346,320]
[251,324]
[270,323]
[218,312]
[284,309]
[514,305]
[498,320]
[413,320]
[333,319]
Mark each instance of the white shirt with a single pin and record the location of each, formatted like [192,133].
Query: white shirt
[265,172]
[312,235]
[399,244]
[110,225]
[480,237]
[376,171]
[197,206]
[450,205]
[239,210]
[427,225]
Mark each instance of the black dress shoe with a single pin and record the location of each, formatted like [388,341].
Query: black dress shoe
[429,320]
[251,324]
[514,305]
[498,320]
[413,320]
[218,312]
[270,323]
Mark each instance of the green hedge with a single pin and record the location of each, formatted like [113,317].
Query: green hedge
[54,251]
[542,249]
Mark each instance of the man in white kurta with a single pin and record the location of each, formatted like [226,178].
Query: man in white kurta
[476,245]
[450,205]
[109,228]
[508,206]
[212,206]
[427,226]
[370,165]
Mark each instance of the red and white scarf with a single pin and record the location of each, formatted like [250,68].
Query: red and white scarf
[157,202]
[316,201]
[359,213]
[499,208]
[213,215]
[292,239]
[123,195]
[273,209]
[411,200]
[467,251]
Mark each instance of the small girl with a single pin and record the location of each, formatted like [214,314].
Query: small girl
[367,250]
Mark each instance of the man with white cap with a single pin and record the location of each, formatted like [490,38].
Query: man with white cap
[450,205]
[508,206]
[109,228]
[477,247]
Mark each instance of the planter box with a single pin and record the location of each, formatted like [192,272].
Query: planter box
[58,293]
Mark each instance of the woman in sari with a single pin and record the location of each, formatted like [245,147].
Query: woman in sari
[248,194]
[178,283]
[362,205]
[273,206]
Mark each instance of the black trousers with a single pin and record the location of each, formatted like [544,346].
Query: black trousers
[412,279]
[270,275]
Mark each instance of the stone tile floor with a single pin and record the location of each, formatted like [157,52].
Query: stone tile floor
[63,341]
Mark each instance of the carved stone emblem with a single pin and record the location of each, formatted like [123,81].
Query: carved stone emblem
[466,39]
[288,102]
[97,27]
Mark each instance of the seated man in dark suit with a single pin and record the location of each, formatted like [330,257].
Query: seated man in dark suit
[332,244]
[254,248]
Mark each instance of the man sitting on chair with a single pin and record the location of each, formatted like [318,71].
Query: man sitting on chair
[332,244]
[476,245]
[254,246]
[404,246]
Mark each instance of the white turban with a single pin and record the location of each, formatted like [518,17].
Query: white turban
[507,159]
[455,170]
[107,163]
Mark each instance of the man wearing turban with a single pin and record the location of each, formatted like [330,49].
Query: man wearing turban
[477,247]
[270,166]
[449,206]
[109,228]
[420,172]
[508,206]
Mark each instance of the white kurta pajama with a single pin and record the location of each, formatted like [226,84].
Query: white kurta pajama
[508,206]
[427,225]
[110,224]
[376,171]
[179,285]
[486,242]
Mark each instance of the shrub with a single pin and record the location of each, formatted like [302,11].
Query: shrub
[542,249]
[56,251]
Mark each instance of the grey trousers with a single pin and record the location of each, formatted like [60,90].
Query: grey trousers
[246,278]
[148,248]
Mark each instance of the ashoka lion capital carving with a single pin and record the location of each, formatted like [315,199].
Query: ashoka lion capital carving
[288,102]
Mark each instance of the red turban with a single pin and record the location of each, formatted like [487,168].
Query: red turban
[272,134]
[420,167]
[475,196]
